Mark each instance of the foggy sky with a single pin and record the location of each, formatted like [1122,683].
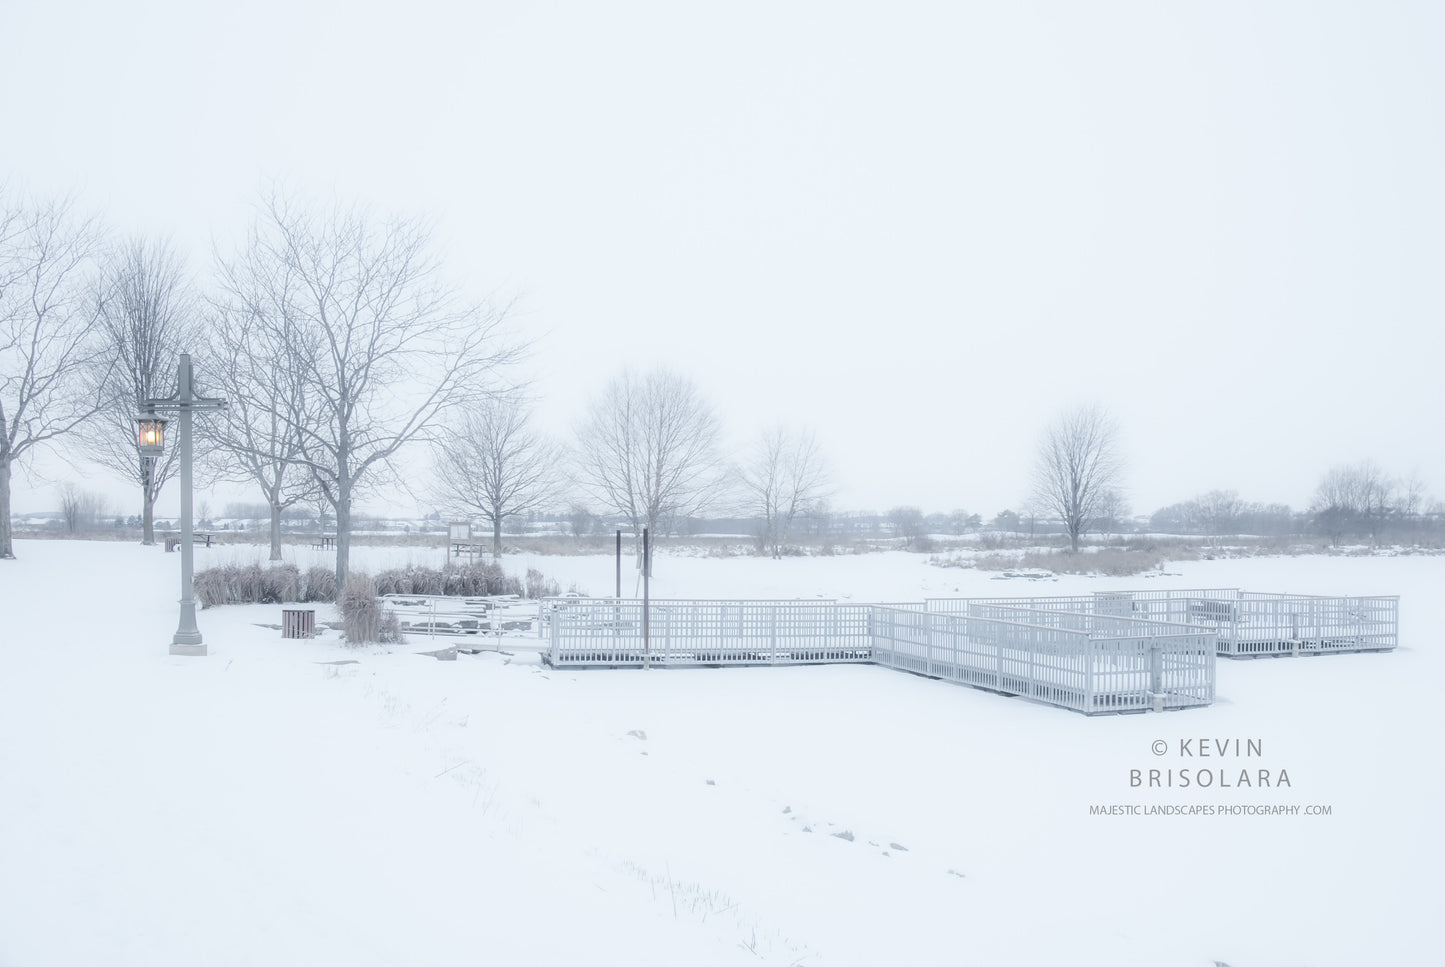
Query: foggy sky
[920,229]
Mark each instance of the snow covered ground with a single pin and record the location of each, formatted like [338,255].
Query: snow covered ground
[301,802]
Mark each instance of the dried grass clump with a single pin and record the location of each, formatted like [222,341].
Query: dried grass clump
[541,587]
[362,617]
[320,584]
[280,583]
[1111,562]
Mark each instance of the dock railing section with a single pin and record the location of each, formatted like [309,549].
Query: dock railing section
[1073,659]
[1249,624]
[609,632]
[1114,651]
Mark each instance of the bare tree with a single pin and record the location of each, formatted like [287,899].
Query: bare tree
[146,315]
[785,477]
[581,520]
[260,434]
[47,333]
[381,347]
[1111,510]
[1413,494]
[1354,499]
[491,464]
[908,523]
[648,450]
[1078,463]
[1218,512]
[960,522]
[80,510]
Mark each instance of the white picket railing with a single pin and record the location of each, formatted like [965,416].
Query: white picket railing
[1248,623]
[607,631]
[1085,662]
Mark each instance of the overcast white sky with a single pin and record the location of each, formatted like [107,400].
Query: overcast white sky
[921,229]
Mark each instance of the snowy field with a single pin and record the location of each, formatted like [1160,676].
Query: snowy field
[266,805]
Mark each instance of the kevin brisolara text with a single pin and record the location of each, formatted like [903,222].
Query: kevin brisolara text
[1206,810]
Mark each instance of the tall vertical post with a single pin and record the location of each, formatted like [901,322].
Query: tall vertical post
[619,563]
[187,640]
[646,627]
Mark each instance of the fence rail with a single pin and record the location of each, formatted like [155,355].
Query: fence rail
[1089,663]
[609,632]
[1084,662]
[1115,651]
[1248,624]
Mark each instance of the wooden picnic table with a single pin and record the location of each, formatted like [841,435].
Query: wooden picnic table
[173,541]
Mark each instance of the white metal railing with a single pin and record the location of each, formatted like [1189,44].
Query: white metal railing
[1089,663]
[1248,623]
[608,631]
[1105,652]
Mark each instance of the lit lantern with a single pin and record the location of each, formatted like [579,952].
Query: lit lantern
[151,439]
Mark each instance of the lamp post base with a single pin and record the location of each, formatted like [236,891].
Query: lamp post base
[197,650]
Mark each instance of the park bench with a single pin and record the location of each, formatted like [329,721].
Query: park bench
[325,542]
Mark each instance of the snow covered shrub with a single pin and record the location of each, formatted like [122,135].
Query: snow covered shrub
[393,581]
[246,583]
[539,586]
[210,587]
[320,584]
[491,579]
[425,580]
[362,617]
[456,582]
[280,583]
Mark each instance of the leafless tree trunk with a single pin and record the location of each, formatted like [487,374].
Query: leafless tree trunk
[381,348]
[259,438]
[491,464]
[80,510]
[1354,499]
[648,450]
[1078,463]
[1218,512]
[147,318]
[907,522]
[1110,512]
[580,519]
[47,333]
[785,477]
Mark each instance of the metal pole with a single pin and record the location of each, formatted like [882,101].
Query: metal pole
[646,629]
[619,563]
[187,640]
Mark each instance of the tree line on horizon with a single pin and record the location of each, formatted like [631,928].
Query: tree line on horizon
[343,351]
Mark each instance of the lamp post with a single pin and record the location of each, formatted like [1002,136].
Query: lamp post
[150,441]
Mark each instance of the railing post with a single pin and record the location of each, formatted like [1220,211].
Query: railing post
[773,635]
[553,635]
[1156,672]
[646,630]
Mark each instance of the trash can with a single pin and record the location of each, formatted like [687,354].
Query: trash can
[298,623]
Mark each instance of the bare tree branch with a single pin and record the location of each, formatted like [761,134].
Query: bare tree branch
[1078,464]
[146,317]
[489,463]
[648,450]
[785,477]
[378,347]
[47,332]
